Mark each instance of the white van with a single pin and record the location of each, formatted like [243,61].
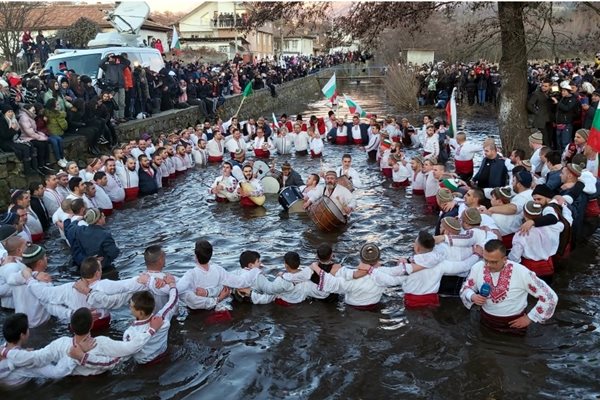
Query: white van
[85,62]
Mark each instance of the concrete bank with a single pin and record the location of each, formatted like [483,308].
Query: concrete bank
[292,96]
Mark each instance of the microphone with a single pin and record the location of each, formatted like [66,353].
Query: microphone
[485,289]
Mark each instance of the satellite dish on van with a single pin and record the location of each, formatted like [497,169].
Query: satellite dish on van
[129,16]
[127,19]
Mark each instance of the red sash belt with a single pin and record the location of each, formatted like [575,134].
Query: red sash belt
[396,139]
[341,140]
[315,155]
[131,193]
[368,307]
[101,324]
[283,303]
[404,183]
[260,153]
[421,300]
[592,210]
[246,202]
[37,237]
[216,317]
[387,172]
[464,167]
[158,358]
[215,159]
[179,173]
[118,205]
[173,175]
[107,211]
[357,141]
[541,268]
[221,199]
[302,152]
[507,240]
[419,192]
[501,324]
[426,153]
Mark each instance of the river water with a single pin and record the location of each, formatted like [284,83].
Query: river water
[317,350]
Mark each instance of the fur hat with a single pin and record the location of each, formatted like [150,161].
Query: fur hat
[524,178]
[369,253]
[544,191]
[533,208]
[92,216]
[451,184]
[472,216]
[444,196]
[452,223]
[7,231]
[33,253]
[536,138]
[9,218]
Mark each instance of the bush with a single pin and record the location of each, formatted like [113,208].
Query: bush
[402,87]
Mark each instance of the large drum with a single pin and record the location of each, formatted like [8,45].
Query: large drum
[270,185]
[258,200]
[345,182]
[326,215]
[291,199]
[260,169]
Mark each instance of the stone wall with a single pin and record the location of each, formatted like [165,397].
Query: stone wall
[291,97]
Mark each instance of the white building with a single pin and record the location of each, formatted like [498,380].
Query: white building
[296,46]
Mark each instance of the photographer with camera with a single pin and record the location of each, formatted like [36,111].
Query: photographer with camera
[113,66]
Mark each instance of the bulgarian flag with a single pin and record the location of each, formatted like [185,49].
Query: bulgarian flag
[275,122]
[451,114]
[175,40]
[329,90]
[354,108]
[594,137]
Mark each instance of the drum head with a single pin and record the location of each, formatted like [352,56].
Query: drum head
[260,169]
[270,185]
[345,182]
[297,207]
[334,209]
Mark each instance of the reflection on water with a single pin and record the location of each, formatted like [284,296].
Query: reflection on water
[323,350]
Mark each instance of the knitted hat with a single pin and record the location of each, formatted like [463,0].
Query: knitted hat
[9,218]
[444,196]
[33,253]
[369,253]
[503,193]
[239,153]
[574,169]
[451,184]
[419,158]
[61,173]
[526,164]
[524,178]
[6,108]
[532,208]
[536,138]
[584,133]
[472,216]
[7,231]
[386,143]
[397,157]
[92,216]
[544,191]
[331,173]
[452,223]
[145,136]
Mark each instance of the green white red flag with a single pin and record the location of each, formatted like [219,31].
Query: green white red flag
[594,137]
[329,90]
[354,108]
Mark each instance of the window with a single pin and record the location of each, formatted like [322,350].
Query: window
[294,44]
[223,49]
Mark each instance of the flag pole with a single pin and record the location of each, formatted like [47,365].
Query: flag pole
[241,104]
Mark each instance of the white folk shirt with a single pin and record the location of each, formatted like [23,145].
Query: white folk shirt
[200,157]
[356,133]
[357,292]
[316,145]
[230,184]
[170,162]
[510,288]
[486,220]
[63,191]
[341,131]
[102,198]
[536,162]
[540,243]
[465,151]
[119,293]
[215,276]
[114,188]
[432,185]
[469,238]
[5,272]
[215,148]
[418,180]
[374,141]
[301,141]
[400,172]
[257,187]
[12,376]
[233,145]
[180,163]
[283,144]
[267,292]
[432,146]
[25,302]
[385,159]
[260,141]
[340,196]
[129,178]
[52,200]
[158,343]
[352,174]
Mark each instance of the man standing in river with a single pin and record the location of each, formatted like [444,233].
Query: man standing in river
[501,287]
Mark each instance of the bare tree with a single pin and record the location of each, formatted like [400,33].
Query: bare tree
[80,32]
[16,17]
